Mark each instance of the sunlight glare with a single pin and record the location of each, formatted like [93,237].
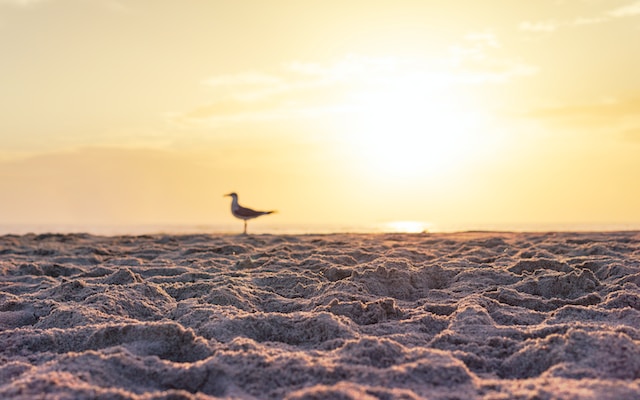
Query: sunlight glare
[410,126]
[406,227]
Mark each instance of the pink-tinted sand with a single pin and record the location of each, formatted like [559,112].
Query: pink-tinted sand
[380,316]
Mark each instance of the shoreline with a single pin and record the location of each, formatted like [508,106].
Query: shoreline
[321,233]
[261,227]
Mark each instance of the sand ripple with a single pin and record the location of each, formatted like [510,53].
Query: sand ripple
[439,316]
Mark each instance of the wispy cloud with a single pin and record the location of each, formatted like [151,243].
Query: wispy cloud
[614,119]
[21,3]
[488,39]
[583,21]
[607,109]
[302,89]
[476,63]
[112,5]
[550,26]
[539,26]
[498,72]
[629,10]
[296,90]
[247,86]
[242,79]
[610,120]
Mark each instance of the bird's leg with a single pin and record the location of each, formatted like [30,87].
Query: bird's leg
[245,226]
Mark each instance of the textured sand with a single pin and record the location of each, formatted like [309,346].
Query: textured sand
[438,316]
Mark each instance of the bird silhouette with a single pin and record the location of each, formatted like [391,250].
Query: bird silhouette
[244,213]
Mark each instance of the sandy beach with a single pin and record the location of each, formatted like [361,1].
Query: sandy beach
[340,316]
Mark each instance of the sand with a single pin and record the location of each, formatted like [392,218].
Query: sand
[344,316]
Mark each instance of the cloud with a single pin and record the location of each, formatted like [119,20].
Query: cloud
[539,27]
[303,89]
[243,79]
[582,21]
[487,39]
[247,86]
[296,90]
[352,69]
[21,3]
[548,27]
[607,109]
[112,5]
[621,116]
[498,73]
[629,10]
[228,111]
[477,65]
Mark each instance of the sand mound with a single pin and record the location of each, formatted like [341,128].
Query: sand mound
[438,316]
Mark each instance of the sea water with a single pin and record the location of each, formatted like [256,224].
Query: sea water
[259,227]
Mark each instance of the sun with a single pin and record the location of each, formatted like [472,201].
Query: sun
[403,128]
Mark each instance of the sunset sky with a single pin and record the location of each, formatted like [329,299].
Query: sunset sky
[452,113]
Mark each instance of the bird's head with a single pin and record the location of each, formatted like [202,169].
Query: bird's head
[232,194]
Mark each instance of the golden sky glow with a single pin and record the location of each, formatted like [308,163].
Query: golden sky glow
[456,113]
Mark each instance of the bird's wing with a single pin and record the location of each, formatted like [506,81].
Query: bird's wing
[249,213]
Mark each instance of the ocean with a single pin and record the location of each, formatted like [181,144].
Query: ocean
[298,229]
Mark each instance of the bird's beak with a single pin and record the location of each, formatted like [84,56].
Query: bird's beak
[227,195]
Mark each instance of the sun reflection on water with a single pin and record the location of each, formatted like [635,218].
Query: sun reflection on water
[406,226]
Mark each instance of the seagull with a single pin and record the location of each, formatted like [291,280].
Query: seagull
[244,213]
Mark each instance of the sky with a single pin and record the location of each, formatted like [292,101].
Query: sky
[449,113]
